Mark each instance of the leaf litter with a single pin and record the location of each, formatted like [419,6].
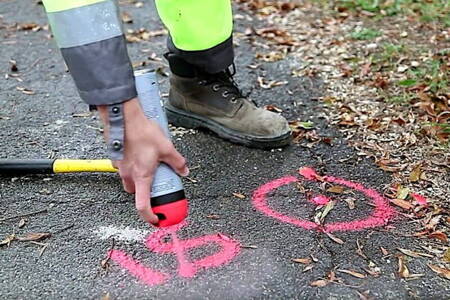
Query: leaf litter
[376,95]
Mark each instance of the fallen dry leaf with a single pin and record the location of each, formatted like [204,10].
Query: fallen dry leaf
[29,26]
[444,272]
[34,236]
[350,202]
[22,222]
[319,283]
[305,261]
[402,193]
[384,251]
[239,195]
[81,115]
[329,207]
[331,276]
[353,273]
[105,262]
[263,83]
[414,176]
[337,189]
[272,56]
[373,272]
[273,108]
[334,238]
[359,250]
[439,236]
[142,34]
[126,18]
[433,222]
[307,268]
[106,296]
[223,237]
[373,269]
[299,126]
[446,256]
[414,253]
[7,241]
[25,90]
[364,295]
[403,271]
[402,203]
[365,69]
[213,217]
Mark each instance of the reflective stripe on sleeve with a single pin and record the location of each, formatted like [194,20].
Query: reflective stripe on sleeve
[60,5]
[86,24]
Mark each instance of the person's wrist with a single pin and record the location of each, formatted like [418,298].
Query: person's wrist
[133,112]
[131,109]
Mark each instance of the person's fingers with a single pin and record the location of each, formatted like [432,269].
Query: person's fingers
[116,164]
[128,185]
[142,187]
[175,160]
[127,181]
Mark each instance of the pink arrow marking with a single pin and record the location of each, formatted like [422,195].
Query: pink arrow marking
[229,248]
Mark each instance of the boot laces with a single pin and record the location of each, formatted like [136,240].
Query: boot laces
[224,81]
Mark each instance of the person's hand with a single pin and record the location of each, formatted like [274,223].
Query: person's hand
[145,146]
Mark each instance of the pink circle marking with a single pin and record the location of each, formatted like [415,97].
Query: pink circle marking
[380,215]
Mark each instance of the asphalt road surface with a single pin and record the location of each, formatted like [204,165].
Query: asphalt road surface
[228,249]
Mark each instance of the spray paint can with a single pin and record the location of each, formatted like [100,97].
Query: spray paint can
[168,200]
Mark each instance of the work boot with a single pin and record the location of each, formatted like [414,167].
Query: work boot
[214,101]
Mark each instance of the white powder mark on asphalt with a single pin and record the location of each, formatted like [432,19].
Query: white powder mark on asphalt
[122,233]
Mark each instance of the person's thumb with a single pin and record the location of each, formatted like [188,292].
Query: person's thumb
[177,162]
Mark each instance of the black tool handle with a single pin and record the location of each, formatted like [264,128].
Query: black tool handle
[11,167]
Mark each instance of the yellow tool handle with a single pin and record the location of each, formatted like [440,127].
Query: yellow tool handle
[78,165]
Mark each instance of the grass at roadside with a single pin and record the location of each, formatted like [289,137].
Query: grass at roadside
[428,11]
[406,69]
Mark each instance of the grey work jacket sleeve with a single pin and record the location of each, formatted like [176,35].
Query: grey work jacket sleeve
[91,39]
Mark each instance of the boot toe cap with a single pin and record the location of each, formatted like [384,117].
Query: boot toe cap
[272,124]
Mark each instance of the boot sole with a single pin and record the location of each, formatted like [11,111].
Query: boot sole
[181,118]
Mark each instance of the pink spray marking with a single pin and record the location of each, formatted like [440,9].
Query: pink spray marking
[143,273]
[229,249]
[185,269]
[320,200]
[308,173]
[260,203]
[420,199]
[380,216]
